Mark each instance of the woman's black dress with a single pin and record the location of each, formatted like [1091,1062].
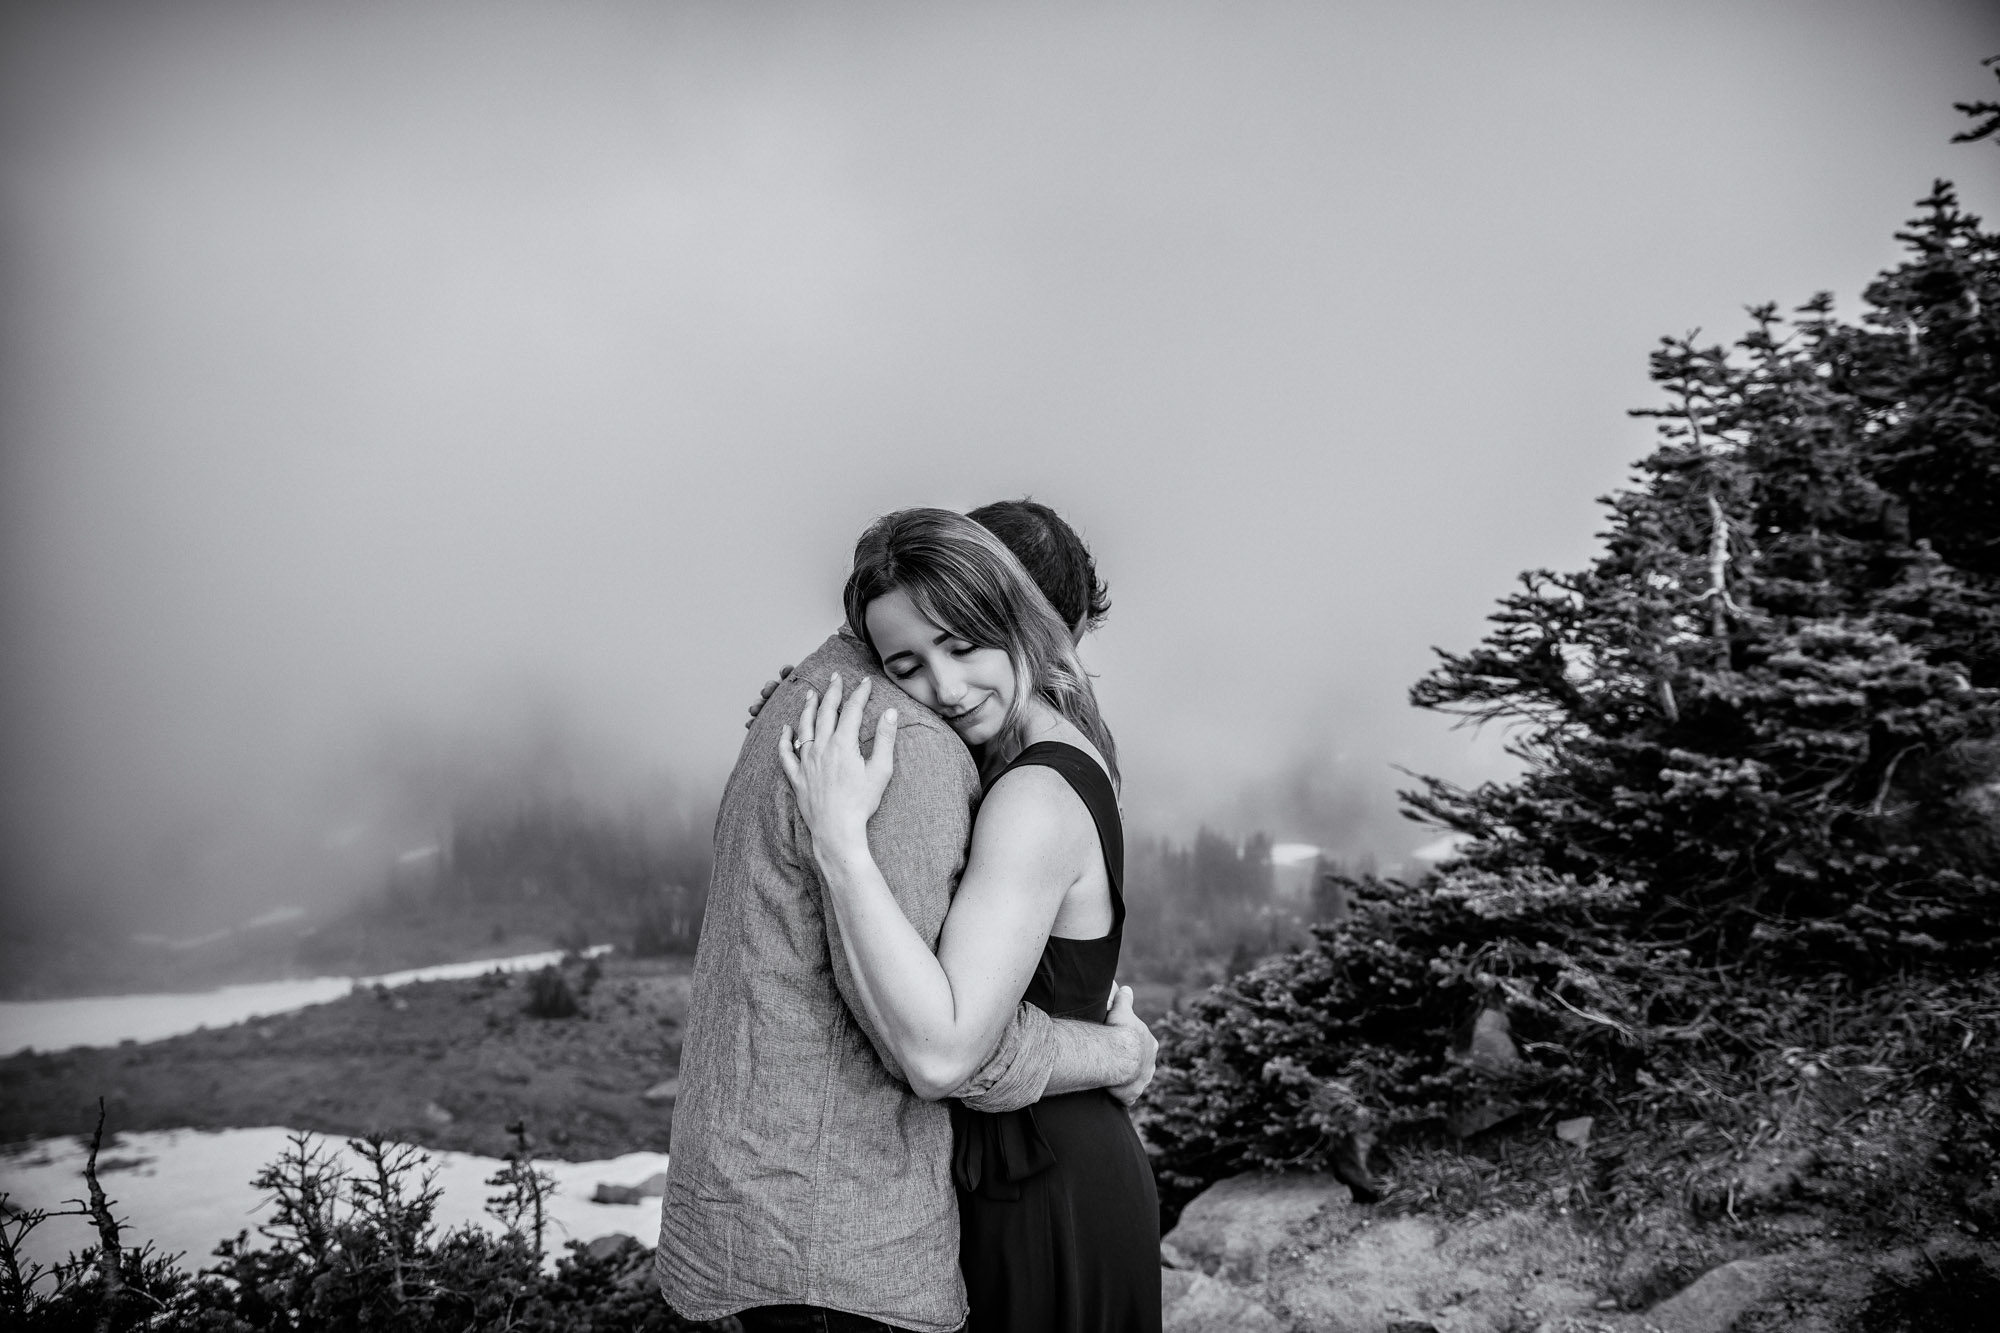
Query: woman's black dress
[1059,1222]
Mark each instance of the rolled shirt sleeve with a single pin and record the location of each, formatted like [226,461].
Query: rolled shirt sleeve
[1018,1071]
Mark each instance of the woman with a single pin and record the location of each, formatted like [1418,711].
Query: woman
[1059,1221]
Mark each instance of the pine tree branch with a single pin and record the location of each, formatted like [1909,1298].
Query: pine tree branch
[1989,127]
[15,1225]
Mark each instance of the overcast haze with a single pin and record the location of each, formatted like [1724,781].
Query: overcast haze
[395,391]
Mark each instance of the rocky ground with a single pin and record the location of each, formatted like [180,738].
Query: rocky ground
[1292,1253]
[443,1064]
[1849,1187]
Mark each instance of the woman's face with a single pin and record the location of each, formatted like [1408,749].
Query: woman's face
[969,687]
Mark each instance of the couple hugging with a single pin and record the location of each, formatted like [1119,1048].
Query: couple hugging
[906,1066]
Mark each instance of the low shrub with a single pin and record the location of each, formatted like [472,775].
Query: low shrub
[355,1249]
[1387,1025]
[550,996]
[1370,1028]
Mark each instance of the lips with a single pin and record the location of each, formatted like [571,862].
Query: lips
[964,713]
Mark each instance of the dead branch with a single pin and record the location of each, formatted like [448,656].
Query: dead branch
[110,1252]
[1888,776]
[1591,1015]
[1717,595]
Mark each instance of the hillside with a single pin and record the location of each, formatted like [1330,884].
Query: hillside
[443,1064]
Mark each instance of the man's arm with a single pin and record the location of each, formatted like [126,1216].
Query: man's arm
[1039,1056]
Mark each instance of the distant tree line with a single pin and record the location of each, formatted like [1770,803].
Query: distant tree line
[1206,907]
[549,871]
[650,890]
[1211,907]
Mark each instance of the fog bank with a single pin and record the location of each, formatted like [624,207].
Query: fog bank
[403,402]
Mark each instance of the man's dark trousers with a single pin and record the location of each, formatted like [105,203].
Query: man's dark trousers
[807,1319]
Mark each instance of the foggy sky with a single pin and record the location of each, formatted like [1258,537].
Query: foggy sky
[400,392]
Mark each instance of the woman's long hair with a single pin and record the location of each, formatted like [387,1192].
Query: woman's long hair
[965,580]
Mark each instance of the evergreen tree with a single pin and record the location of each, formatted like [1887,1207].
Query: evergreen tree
[1761,732]
[1774,701]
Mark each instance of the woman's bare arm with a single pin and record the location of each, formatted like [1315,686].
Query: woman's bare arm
[939,1014]
[942,1013]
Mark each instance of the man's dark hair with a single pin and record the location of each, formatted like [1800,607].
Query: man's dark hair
[1055,557]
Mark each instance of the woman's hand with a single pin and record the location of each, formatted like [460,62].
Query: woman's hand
[837,789]
[764,695]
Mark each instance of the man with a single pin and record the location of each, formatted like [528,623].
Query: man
[808,1187]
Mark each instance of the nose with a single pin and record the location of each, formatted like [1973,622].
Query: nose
[950,685]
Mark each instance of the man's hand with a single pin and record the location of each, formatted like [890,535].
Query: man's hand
[764,695]
[1122,1017]
[1046,1057]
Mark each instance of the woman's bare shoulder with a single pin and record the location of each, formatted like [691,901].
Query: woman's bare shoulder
[1038,795]
[1031,828]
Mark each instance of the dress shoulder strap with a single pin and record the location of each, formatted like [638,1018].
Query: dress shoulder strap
[1092,785]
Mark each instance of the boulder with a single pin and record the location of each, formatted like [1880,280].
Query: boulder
[1363,1271]
[652,1187]
[1490,1048]
[1234,1226]
[1713,1302]
[1350,1165]
[606,1246]
[1576,1132]
[1198,1303]
[616,1194]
